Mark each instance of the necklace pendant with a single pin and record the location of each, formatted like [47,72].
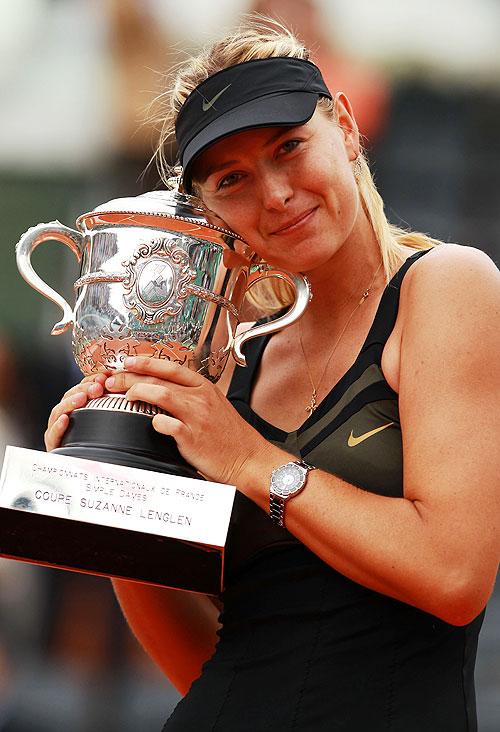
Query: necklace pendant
[312,406]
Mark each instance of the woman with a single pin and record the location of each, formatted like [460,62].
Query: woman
[355,605]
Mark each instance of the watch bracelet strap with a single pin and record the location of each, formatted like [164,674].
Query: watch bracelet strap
[308,466]
[277,504]
[277,510]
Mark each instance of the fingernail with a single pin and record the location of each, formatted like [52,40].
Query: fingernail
[129,362]
[110,382]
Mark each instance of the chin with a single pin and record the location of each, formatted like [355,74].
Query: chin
[300,264]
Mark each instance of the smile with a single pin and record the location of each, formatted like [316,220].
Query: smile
[296,223]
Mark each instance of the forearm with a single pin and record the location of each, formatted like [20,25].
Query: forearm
[177,629]
[390,545]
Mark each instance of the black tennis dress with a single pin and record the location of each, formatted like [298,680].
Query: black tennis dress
[303,647]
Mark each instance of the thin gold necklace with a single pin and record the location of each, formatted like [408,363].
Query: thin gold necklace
[313,404]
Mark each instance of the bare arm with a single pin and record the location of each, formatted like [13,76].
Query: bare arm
[177,629]
[438,547]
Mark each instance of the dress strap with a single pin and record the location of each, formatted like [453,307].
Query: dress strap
[387,311]
[243,376]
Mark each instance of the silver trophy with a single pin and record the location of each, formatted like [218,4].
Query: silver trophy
[156,279]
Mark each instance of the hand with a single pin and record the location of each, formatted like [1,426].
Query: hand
[209,432]
[91,387]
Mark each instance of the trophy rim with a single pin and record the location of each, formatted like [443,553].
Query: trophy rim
[173,217]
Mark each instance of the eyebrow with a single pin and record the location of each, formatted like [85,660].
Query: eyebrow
[215,169]
[281,131]
[227,163]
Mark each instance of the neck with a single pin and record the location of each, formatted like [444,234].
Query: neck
[338,286]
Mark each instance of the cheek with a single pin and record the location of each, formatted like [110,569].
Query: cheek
[331,170]
[341,192]
[238,216]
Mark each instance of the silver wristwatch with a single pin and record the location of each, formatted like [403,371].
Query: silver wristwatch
[286,481]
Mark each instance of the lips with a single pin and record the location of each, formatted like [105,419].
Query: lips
[293,224]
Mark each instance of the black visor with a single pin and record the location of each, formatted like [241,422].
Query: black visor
[274,92]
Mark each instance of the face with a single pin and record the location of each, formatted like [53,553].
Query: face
[289,192]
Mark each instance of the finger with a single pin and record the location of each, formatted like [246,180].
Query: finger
[95,389]
[120,381]
[53,436]
[67,405]
[92,389]
[160,395]
[99,378]
[75,398]
[162,368]
[89,378]
[168,425]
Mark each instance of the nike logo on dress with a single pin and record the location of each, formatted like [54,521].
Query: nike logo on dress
[352,441]
[208,105]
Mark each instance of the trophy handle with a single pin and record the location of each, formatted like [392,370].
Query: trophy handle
[24,248]
[303,294]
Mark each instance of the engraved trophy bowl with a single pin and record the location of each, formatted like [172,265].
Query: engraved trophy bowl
[156,279]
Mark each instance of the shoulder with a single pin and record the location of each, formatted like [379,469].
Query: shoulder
[452,305]
[448,277]
[449,266]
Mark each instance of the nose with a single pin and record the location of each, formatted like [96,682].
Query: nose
[275,190]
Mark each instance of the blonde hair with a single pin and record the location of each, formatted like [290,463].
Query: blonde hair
[258,38]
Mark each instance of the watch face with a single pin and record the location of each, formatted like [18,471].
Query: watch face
[287,479]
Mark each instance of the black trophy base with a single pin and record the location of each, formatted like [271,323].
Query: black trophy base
[123,438]
[119,438]
[110,552]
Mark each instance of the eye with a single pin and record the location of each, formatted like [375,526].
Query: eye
[228,180]
[290,145]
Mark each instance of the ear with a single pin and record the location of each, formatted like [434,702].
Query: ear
[347,124]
